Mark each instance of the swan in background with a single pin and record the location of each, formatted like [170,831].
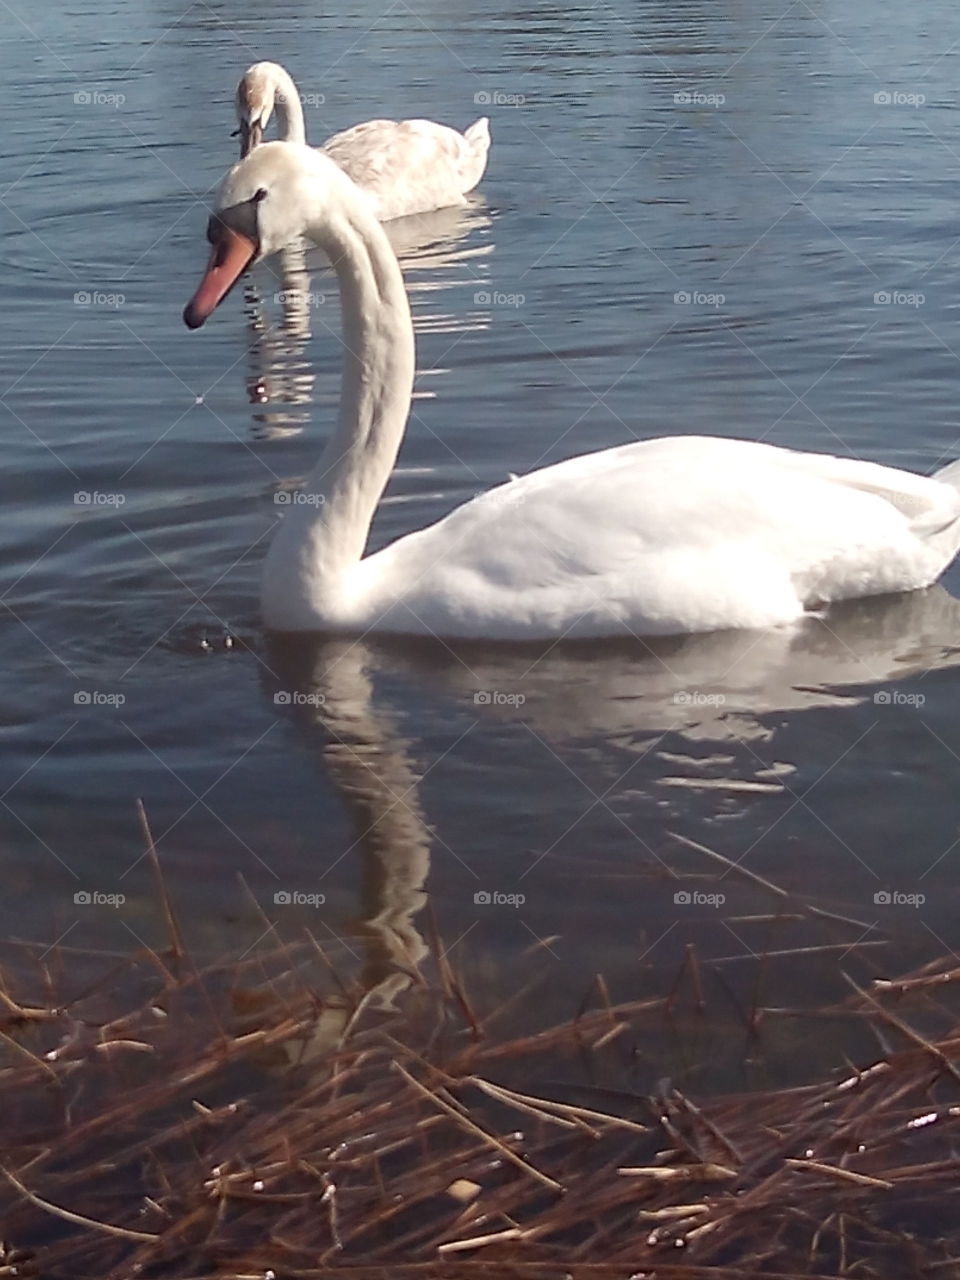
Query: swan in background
[404,166]
[662,536]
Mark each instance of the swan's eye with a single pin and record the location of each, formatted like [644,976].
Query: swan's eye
[240,217]
[260,195]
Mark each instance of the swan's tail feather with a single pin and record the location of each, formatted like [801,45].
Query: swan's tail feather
[478,135]
[950,474]
[474,161]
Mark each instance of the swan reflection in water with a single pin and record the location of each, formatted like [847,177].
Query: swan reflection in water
[696,684]
[599,697]
[300,288]
[372,773]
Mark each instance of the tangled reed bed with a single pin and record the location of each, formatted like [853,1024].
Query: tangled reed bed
[233,1122]
[263,1119]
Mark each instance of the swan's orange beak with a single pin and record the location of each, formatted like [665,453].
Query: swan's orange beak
[231,256]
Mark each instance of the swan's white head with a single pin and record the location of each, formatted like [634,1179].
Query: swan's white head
[260,87]
[281,192]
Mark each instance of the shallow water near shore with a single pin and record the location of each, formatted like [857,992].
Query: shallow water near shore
[692,222]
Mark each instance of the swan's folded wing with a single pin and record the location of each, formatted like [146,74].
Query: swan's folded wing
[380,151]
[926,501]
[695,490]
[679,534]
[407,166]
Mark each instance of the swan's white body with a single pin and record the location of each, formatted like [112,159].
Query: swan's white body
[666,536]
[403,166]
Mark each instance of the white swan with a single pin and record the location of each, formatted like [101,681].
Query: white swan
[662,536]
[404,166]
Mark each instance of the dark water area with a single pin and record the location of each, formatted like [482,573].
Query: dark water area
[696,219]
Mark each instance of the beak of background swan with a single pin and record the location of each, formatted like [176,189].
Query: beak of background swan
[251,135]
[232,254]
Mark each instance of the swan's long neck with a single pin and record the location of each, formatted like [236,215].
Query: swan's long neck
[325,532]
[289,107]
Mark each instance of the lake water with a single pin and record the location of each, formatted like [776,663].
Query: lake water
[693,221]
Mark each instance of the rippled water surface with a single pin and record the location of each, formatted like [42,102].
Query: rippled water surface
[694,220]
